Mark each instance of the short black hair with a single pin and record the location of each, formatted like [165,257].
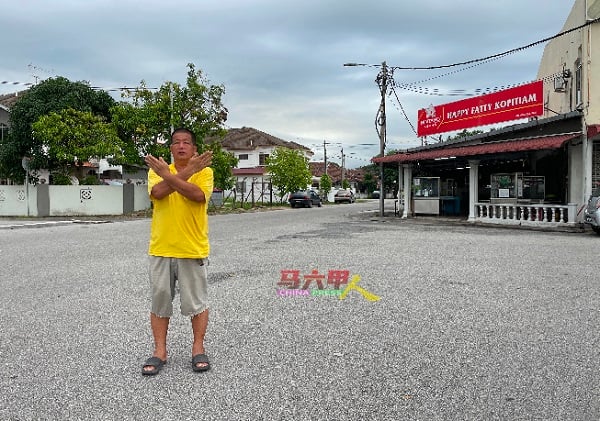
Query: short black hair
[184,130]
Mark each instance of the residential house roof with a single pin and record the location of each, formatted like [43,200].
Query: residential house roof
[317,169]
[8,100]
[248,138]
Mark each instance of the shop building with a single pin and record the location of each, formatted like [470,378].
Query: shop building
[540,172]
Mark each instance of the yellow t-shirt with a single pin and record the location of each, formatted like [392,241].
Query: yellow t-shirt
[180,226]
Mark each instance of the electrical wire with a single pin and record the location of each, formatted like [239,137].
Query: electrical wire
[414,86]
[499,55]
[402,109]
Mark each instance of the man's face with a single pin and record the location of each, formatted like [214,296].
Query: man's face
[182,146]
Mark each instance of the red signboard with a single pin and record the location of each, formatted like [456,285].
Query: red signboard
[510,104]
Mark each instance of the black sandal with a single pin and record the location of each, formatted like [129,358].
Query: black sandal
[200,358]
[155,362]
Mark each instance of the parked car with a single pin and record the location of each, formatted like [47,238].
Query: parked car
[303,198]
[375,194]
[343,195]
[592,211]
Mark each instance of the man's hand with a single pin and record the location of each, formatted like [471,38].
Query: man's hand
[178,182]
[159,165]
[198,162]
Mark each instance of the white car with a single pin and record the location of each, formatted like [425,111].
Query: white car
[592,211]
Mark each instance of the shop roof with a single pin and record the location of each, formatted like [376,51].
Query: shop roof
[514,145]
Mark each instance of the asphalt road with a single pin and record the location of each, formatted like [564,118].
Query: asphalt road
[472,323]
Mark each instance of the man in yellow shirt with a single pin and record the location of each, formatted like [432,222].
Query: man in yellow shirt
[179,246]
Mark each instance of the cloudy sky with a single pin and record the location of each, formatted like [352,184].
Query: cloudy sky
[281,62]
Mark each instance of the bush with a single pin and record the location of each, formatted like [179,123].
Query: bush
[90,180]
[60,179]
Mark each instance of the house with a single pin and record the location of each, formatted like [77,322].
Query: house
[336,173]
[4,117]
[6,101]
[252,147]
[540,172]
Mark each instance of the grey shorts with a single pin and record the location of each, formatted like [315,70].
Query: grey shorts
[188,276]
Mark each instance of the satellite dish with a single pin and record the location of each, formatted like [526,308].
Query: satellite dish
[25,163]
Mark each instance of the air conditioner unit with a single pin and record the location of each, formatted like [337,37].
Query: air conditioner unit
[560,84]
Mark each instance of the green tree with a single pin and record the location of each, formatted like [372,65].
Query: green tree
[390,178]
[369,183]
[463,134]
[222,165]
[51,95]
[146,119]
[325,186]
[345,184]
[289,171]
[390,175]
[70,137]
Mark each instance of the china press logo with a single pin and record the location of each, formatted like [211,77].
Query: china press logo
[293,284]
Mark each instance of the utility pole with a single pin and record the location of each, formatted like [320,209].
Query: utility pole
[382,82]
[343,165]
[171,101]
[325,155]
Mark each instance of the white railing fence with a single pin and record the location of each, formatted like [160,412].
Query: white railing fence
[526,213]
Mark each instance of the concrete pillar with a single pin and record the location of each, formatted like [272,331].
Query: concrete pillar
[473,188]
[587,157]
[128,199]
[43,200]
[400,182]
[407,178]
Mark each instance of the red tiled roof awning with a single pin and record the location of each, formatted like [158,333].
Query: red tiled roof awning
[593,130]
[253,171]
[516,145]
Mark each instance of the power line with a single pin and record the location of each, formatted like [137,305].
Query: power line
[123,88]
[413,86]
[6,82]
[483,59]
[463,92]
[402,110]
[97,88]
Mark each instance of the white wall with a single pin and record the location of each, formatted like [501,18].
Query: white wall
[575,174]
[562,53]
[13,200]
[141,200]
[70,200]
[86,200]
[254,155]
